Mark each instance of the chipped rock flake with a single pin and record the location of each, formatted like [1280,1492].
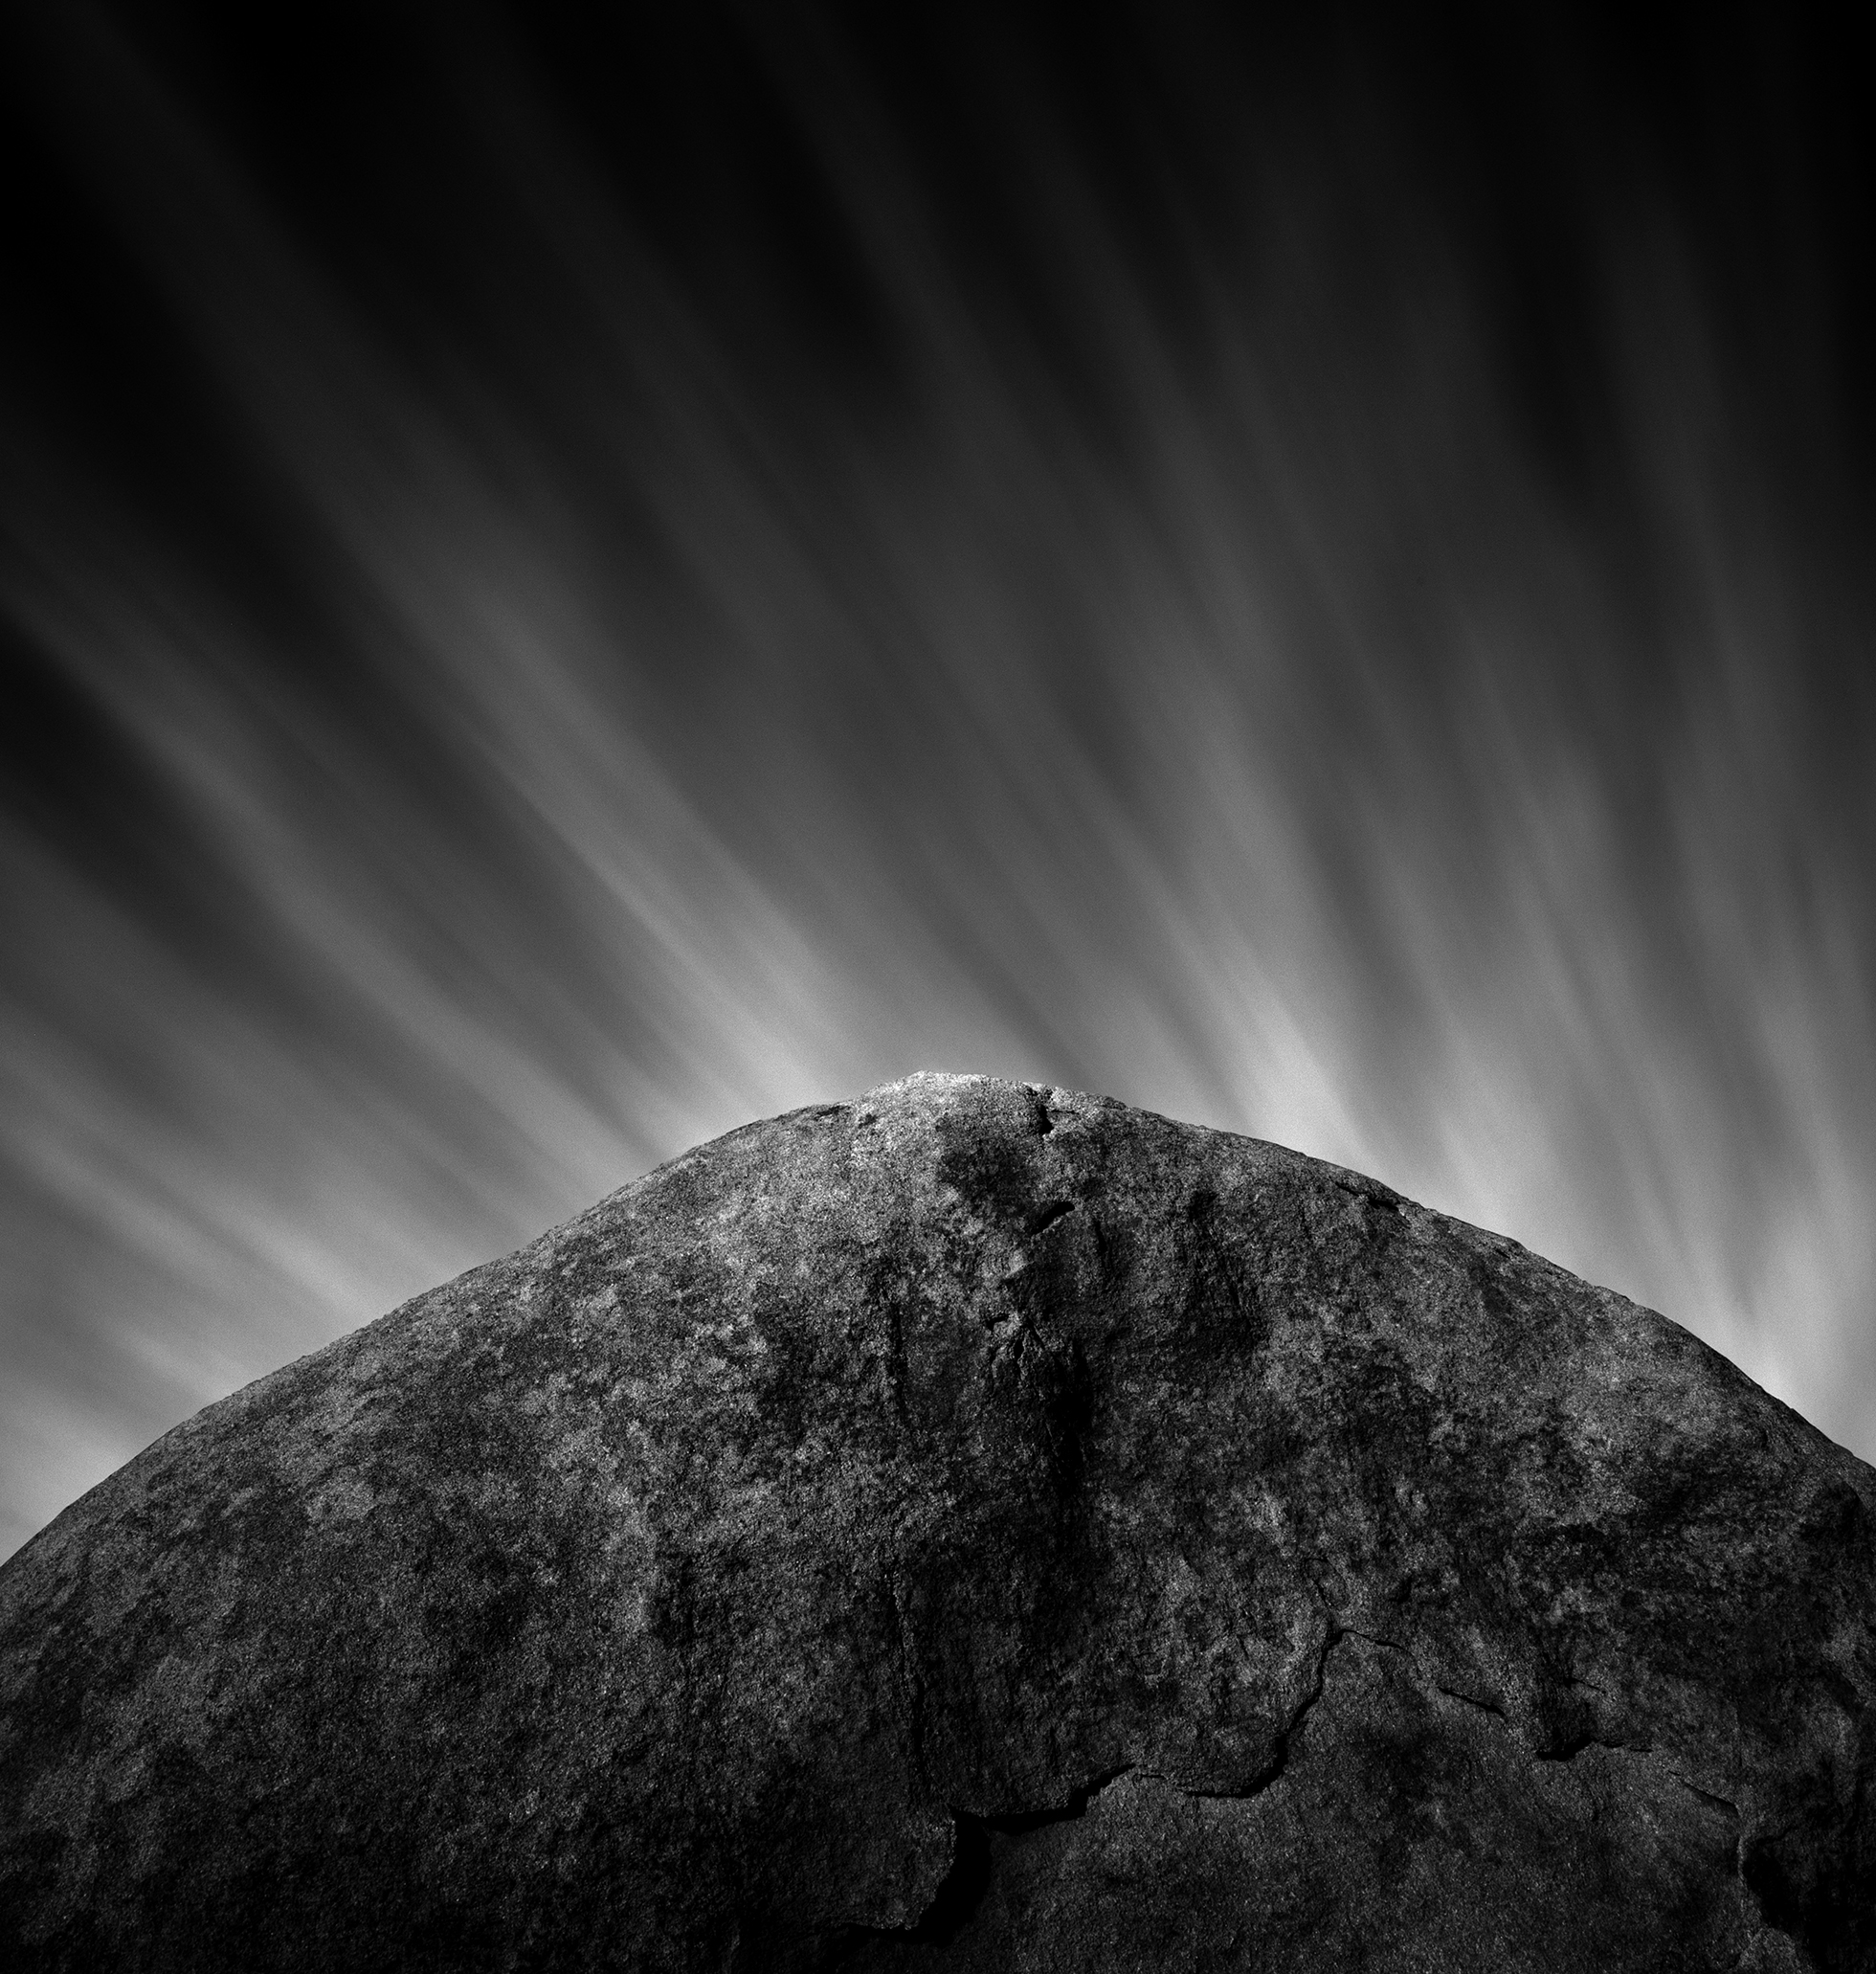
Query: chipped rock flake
[977,1528]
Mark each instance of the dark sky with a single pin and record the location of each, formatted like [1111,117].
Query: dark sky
[562,589]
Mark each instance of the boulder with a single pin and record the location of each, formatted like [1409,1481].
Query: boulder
[979,1526]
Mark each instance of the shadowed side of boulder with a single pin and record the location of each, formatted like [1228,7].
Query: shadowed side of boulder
[976,1527]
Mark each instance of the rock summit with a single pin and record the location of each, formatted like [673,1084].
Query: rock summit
[976,1527]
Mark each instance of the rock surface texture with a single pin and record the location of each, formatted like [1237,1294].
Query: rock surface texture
[979,1527]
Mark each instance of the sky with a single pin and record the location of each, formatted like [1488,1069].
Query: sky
[563,588]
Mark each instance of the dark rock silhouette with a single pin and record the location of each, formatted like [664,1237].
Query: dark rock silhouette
[976,1527]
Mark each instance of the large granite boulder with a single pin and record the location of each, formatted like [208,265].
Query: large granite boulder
[976,1527]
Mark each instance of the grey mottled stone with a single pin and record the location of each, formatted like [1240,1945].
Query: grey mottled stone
[976,1527]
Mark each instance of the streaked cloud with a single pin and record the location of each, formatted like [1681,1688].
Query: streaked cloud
[1238,610]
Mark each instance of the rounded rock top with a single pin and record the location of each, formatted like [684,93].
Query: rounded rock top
[979,1526]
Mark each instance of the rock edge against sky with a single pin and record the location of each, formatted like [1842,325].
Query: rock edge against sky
[978,1526]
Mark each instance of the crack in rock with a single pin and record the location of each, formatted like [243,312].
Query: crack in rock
[965,1886]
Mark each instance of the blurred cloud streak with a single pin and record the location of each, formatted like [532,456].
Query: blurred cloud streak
[1153,567]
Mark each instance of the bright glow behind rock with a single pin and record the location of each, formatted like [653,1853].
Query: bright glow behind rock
[578,595]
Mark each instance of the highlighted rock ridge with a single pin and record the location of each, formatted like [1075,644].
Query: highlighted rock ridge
[976,1527]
